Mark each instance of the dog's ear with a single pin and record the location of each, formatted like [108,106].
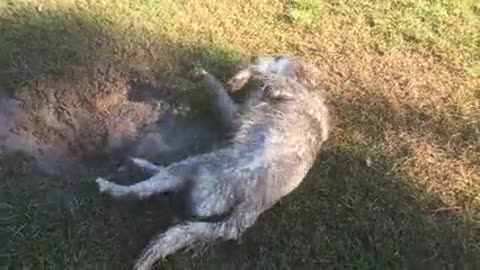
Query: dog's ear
[301,74]
[296,71]
[299,70]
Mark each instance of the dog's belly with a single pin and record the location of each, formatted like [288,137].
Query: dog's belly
[210,195]
[285,177]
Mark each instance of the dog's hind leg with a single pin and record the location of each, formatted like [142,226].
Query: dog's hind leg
[189,234]
[159,183]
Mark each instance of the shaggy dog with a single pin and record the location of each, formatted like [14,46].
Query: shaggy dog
[278,133]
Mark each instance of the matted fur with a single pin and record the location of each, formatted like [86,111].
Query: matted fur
[278,134]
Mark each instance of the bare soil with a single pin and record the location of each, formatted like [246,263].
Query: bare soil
[101,112]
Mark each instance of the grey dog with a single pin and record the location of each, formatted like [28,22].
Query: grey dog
[278,133]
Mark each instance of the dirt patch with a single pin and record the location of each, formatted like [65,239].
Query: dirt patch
[94,112]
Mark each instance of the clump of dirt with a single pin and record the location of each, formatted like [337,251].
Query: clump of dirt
[100,111]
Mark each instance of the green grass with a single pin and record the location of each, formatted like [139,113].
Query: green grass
[305,12]
[397,187]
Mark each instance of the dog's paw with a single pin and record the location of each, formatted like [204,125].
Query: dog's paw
[197,74]
[103,185]
[238,81]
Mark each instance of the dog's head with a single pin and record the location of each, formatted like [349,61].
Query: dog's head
[294,69]
[277,64]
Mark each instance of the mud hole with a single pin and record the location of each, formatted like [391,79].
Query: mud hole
[100,112]
[60,132]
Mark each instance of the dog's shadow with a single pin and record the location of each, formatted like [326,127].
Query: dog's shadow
[346,209]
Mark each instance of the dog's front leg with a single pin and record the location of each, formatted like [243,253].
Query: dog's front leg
[221,103]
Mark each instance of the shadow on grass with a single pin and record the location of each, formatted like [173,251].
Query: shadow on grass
[373,113]
[345,215]
[34,43]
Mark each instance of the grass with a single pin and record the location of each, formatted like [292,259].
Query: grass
[398,185]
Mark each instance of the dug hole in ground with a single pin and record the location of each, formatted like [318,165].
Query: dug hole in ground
[102,113]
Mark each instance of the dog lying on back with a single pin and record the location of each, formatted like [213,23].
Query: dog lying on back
[278,133]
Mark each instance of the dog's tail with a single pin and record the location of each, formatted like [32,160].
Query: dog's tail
[189,234]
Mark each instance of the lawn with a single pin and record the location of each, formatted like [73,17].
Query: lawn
[396,187]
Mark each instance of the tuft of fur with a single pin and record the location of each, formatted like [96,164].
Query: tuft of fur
[278,133]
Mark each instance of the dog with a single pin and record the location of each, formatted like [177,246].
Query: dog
[277,134]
